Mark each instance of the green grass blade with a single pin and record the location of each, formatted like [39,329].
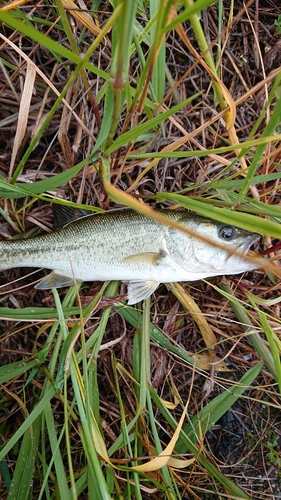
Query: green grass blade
[22,481]
[254,337]
[34,34]
[269,130]
[14,370]
[217,407]
[26,424]
[274,346]
[62,480]
[8,190]
[158,75]
[225,215]
[146,126]
[133,317]
[189,445]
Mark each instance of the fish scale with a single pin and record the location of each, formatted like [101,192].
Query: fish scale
[128,246]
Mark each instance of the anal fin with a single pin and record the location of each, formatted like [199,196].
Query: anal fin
[54,280]
[139,290]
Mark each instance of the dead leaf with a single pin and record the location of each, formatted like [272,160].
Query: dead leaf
[23,112]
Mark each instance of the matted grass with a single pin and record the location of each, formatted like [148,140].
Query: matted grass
[141,104]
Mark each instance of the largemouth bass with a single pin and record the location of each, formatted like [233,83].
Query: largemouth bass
[124,245]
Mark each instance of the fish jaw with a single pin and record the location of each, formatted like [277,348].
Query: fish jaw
[238,264]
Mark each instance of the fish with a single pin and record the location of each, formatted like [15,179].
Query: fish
[125,245]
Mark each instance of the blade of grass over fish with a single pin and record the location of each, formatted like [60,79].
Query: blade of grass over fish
[128,200]
[250,205]
[254,337]
[240,219]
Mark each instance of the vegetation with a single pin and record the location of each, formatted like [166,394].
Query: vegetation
[141,104]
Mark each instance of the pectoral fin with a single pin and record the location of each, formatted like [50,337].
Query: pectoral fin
[153,258]
[139,290]
[54,280]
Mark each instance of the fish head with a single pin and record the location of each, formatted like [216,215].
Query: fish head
[200,257]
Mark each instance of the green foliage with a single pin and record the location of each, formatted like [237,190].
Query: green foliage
[70,441]
[277,23]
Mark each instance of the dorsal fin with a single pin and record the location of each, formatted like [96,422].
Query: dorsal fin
[63,215]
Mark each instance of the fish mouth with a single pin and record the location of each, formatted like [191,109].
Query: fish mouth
[250,242]
[245,248]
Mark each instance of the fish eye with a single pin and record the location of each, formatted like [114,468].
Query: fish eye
[227,233]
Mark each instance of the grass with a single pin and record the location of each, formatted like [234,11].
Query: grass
[109,103]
